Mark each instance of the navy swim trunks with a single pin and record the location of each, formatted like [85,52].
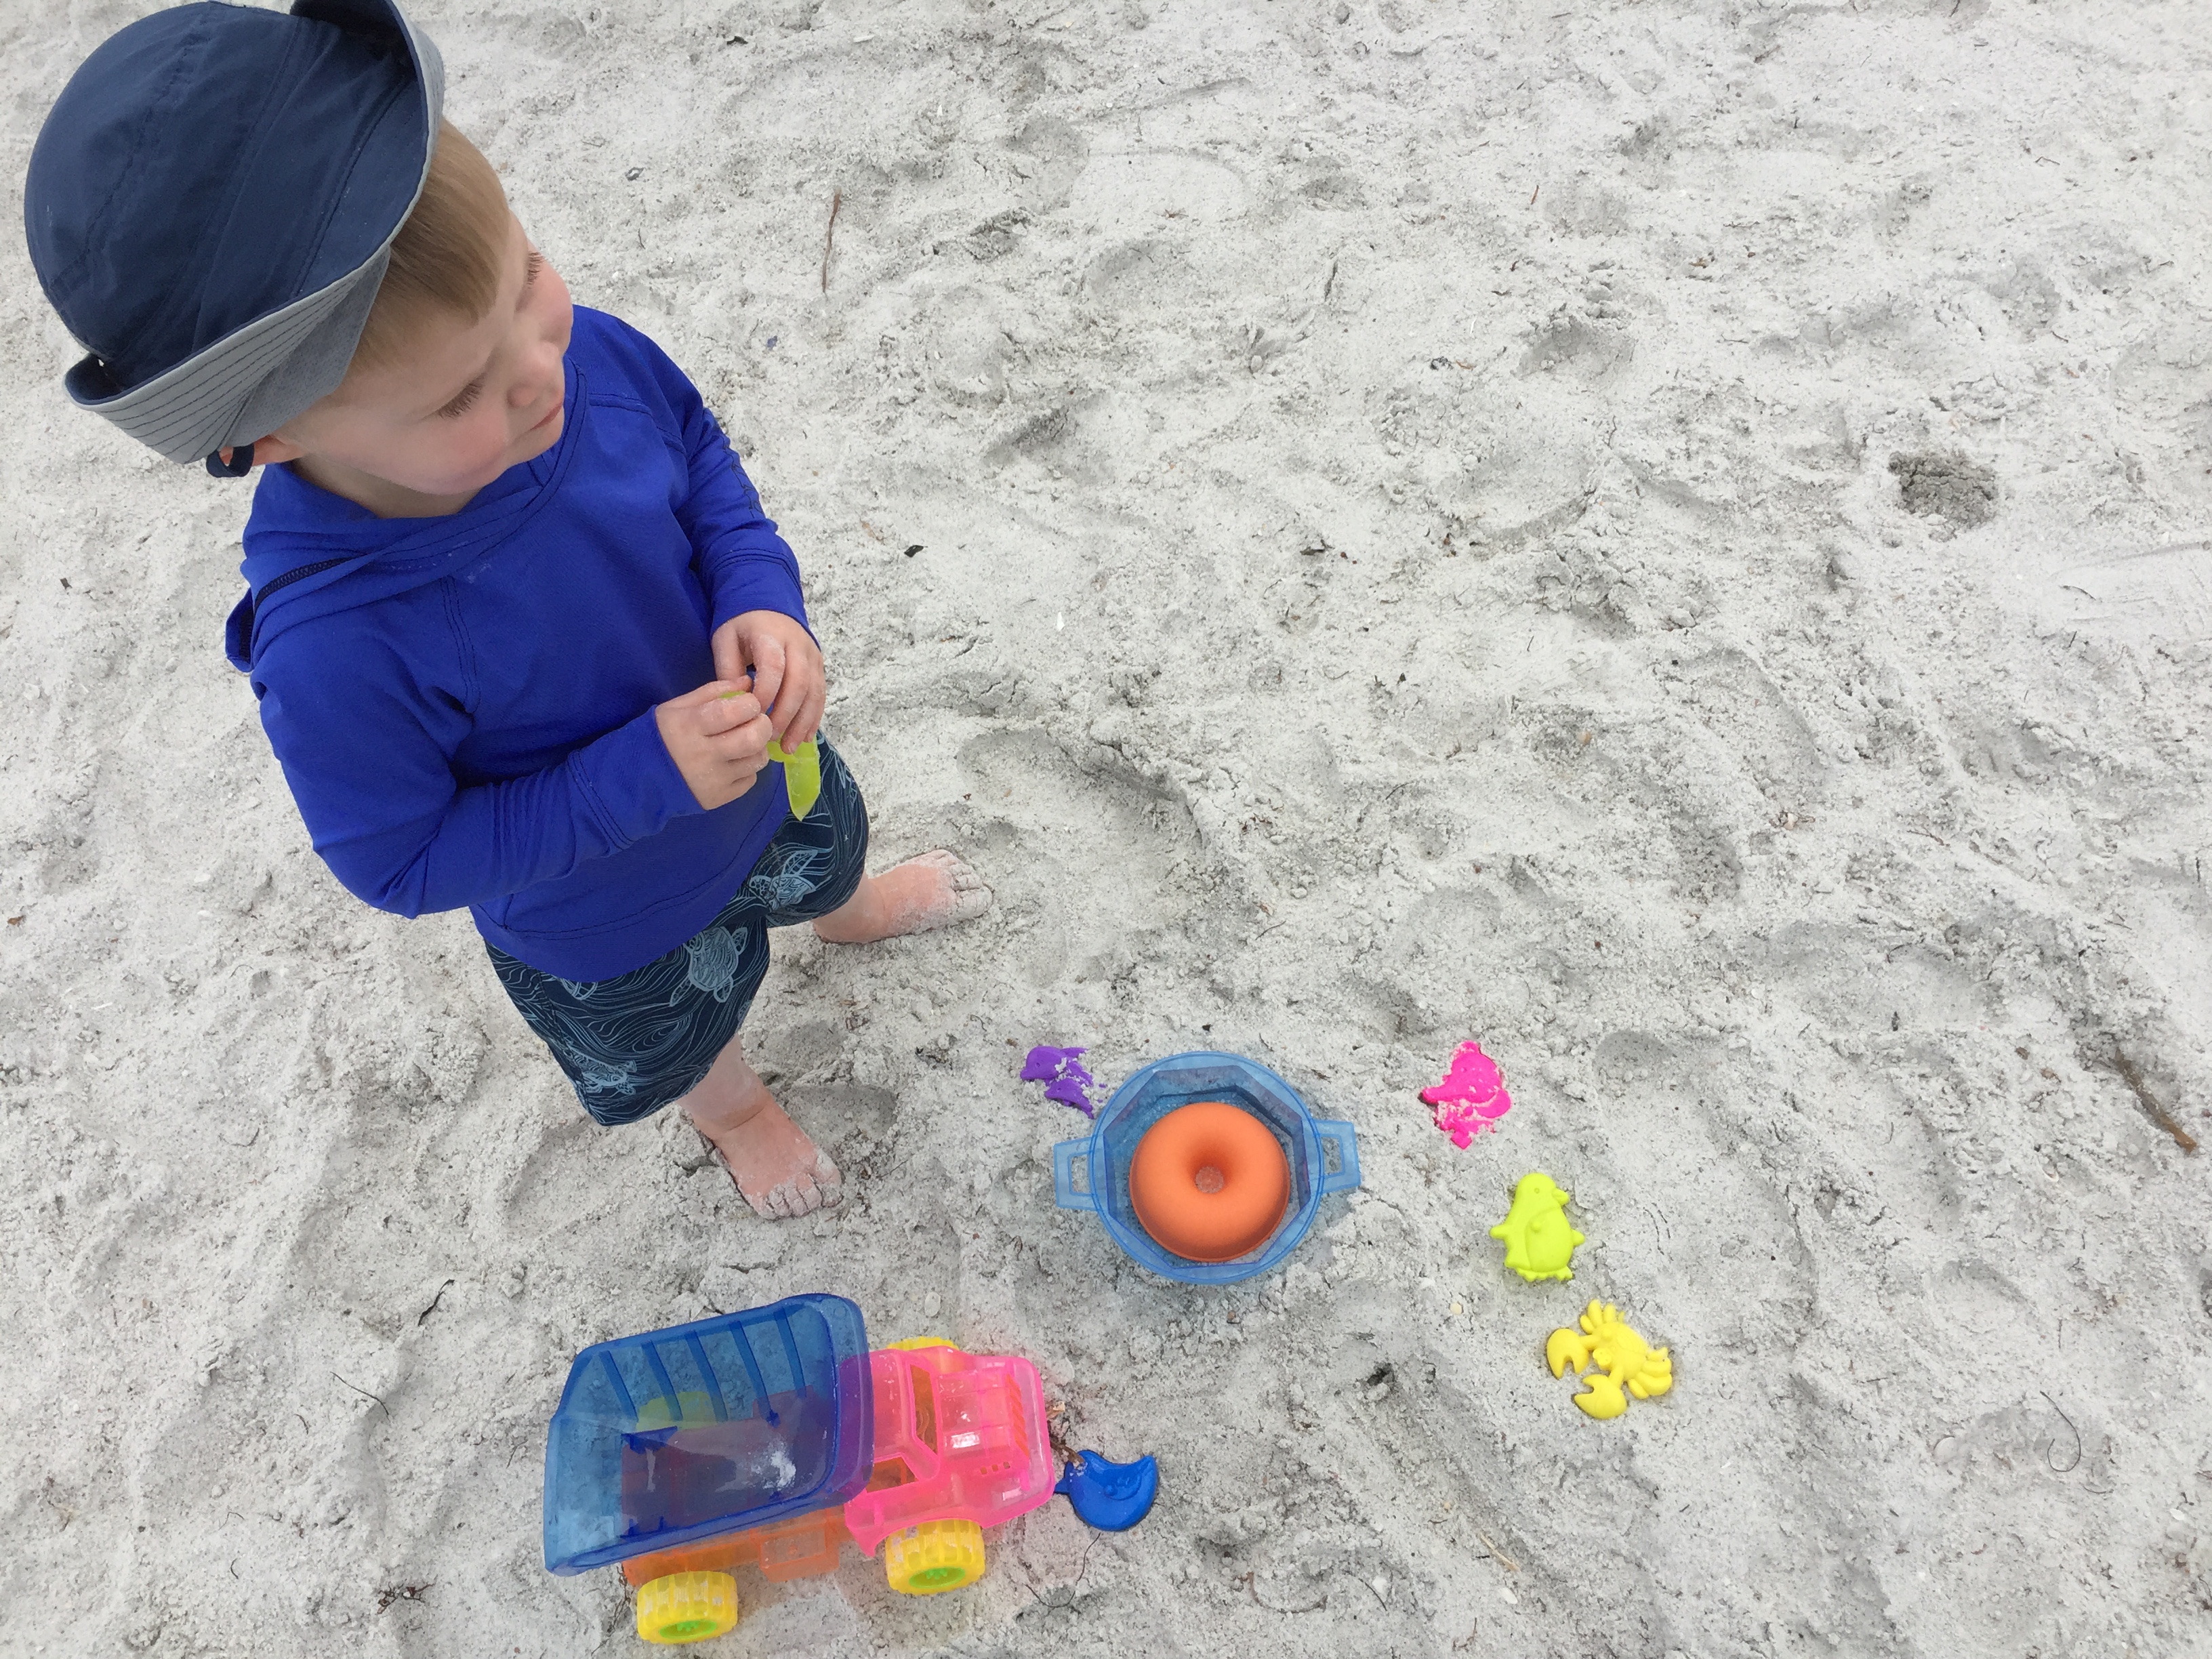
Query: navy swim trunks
[636,1042]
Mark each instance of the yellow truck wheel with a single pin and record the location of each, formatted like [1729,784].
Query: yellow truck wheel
[686,1606]
[934,1557]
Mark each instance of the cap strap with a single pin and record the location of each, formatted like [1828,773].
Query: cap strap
[240,464]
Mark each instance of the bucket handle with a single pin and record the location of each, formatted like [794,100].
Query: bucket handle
[1065,1157]
[1340,1135]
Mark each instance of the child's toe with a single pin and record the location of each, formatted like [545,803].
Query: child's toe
[971,897]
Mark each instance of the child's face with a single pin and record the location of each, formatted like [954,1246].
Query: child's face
[468,402]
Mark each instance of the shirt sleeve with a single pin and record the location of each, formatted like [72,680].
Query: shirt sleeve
[743,563]
[367,756]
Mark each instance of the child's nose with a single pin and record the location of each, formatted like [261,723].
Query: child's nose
[543,376]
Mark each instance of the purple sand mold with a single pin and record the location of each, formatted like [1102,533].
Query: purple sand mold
[1068,1091]
[1044,1064]
[1063,1075]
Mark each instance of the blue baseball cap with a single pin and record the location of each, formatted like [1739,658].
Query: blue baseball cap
[210,207]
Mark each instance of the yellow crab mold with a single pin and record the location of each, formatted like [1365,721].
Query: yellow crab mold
[1624,1359]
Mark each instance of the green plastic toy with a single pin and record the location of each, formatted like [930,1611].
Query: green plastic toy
[1538,1241]
[802,768]
[802,773]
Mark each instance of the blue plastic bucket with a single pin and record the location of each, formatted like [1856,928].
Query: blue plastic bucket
[1093,1173]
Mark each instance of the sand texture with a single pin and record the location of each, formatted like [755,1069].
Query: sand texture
[1669,537]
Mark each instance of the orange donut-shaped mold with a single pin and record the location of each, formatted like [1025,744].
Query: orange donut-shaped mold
[1209,1181]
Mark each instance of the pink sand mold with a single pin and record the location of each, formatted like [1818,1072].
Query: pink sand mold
[1061,1072]
[1472,1097]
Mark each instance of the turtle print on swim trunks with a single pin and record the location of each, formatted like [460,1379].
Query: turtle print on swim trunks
[634,1044]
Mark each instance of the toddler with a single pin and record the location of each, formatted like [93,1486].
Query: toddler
[520,631]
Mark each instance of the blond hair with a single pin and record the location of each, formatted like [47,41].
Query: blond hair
[448,256]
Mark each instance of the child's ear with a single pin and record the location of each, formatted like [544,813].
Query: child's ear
[272,450]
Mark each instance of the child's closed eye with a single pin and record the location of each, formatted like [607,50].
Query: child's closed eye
[462,402]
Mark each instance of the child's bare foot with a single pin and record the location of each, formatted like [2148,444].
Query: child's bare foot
[935,890]
[777,1170]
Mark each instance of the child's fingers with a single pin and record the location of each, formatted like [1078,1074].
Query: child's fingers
[746,744]
[708,693]
[728,711]
[729,655]
[806,720]
[801,691]
[767,669]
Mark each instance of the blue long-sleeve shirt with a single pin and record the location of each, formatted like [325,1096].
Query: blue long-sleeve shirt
[462,706]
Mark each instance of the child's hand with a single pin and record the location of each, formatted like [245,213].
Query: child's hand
[784,666]
[717,737]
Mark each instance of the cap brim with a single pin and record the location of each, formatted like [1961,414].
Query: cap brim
[256,377]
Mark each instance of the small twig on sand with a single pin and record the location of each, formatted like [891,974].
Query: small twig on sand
[434,1301]
[829,236]
[1509,1563]
[2051,1463]
[2131,1074]
[366,1395]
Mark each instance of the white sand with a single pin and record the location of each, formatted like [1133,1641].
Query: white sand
[1455,441]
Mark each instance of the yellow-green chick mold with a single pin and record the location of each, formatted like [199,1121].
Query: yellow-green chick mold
[1540,1243]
